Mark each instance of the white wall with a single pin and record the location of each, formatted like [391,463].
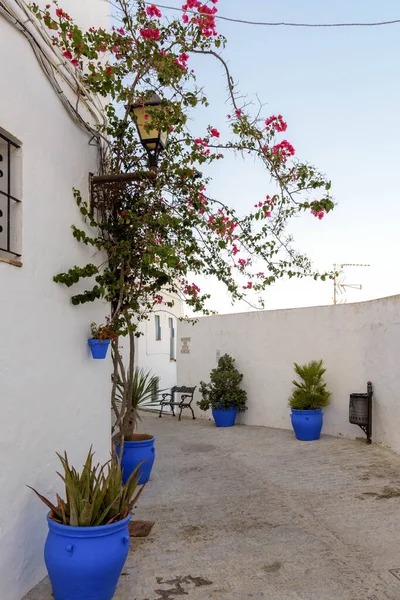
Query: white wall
[154,354]
[54,396]
[358,342]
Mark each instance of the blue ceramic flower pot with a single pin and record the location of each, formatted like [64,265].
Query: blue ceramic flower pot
[99,347]
[307,424]
[84,563]
[224,417]
[140,450]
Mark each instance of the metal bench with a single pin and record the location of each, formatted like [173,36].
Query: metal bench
[186,399]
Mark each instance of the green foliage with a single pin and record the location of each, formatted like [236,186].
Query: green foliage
[76,274]
[144,392]
[96,496]
[224,389]
[310,393]
[103,332]
[155,233]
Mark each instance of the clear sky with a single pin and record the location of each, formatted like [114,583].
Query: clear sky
[339,91]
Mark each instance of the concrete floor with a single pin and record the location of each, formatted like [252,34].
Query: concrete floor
[249,512]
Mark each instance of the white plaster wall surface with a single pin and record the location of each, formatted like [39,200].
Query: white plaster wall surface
[358,342]
[154,354]
[54,396]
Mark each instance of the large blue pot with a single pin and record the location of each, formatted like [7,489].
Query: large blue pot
[98,347]
[84,563]
[224,417]
[135,452]
[307,424]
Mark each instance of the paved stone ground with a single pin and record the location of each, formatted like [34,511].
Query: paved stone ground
[249,512]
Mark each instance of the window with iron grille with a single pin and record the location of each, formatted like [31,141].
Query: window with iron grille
[10,195]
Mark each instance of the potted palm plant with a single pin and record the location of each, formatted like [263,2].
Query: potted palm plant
[223,394]
[88,539]
[136,447]
[308,398]
[101,337]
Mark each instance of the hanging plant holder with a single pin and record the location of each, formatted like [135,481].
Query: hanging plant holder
[98,348]
[109,192]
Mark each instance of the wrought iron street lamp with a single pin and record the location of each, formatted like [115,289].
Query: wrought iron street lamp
[154,140]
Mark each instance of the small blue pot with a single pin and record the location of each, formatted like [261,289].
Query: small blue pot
[224,417]
[84,563]
[99,347]
[307,424]
[136,452]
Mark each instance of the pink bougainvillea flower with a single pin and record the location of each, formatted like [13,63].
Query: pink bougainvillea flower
[238,112]
[276,123]
[214,132]
[191,290]
[153,11]
[318,213]
[59,12]
[67,54]
[150,33]
[205,20]
[184,57]
[283,150]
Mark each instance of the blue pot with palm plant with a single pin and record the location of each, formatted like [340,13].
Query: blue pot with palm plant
[137,448]
[309,397]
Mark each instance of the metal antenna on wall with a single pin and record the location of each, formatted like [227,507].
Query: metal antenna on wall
[338,286]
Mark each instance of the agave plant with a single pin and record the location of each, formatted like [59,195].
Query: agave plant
[96,496]
[143,395]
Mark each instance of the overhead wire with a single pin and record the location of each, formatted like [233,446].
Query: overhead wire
[280,23]
[54,65]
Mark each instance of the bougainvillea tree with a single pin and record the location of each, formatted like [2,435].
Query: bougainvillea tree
[159,233]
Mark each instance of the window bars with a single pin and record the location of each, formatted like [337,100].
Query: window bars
[7,199]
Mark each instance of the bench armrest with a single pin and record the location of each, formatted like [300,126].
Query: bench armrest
[184,396]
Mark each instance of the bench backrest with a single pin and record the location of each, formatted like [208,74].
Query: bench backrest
[182,389]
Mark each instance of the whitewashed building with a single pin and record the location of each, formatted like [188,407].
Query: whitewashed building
[54,396]
[156,350]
